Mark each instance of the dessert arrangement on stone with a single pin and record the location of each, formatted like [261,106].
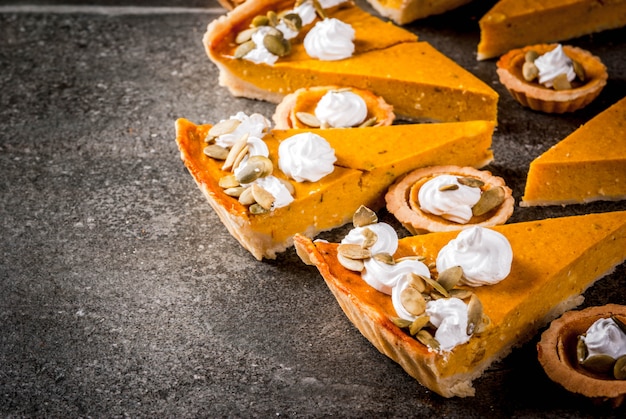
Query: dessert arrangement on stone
[552,78]
[588,165]
[445,198]
[468,286]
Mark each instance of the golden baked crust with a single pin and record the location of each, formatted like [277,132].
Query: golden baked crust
[540,98]
[406,11]
[541,286]
[403,194]
[306,99]
[557,355]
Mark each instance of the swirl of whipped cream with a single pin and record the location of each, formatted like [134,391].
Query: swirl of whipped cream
[282,196]
[485,256]
[604,337]
[254,125]
[387,238]
[306,156]
[330,40]
[411,266]
[259,54]
[341,109]
[553,63]
[449,316]
[454,205]
[384,277]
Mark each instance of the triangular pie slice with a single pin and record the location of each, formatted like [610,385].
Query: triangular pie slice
[416,79]
[588,165]
[368,161]
[540,287]
[514,23]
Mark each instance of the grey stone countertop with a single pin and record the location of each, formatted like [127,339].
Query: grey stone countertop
[121,293]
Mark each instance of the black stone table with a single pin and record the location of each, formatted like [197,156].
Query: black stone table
[121,293]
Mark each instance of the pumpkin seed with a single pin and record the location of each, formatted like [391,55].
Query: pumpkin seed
[254,168]
[436,286]
[581,350]
[288,186]
[234,191]
[414,257]
[471,181]
[229,181]
[400,322]
[272,17]
[619,369]
[245,35]
[385,258]
[364,216]
[425,338]
[449,187]
[418,324]
[416,281]
[531,56]
[233,154]
[489,200]
[485,322]
[368,122]
[351,264]
[579,70]
[530,71]
[474,313]
[246,197]
[224,127]
[369,237]
[257,209]
[240,156]
[599,363]
[277,45]
[353,251]
[560,82]
[460,293]
[293,21]
[216,152]
[619,323]
[262,196]
[308,119]
[260,20]
[413,301]
[243,49]
[450,277]
[319,9]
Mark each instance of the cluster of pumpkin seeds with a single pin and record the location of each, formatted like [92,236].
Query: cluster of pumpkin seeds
[420,290]
[257,199]
[490,198]
[274,40]
[602,364]
[530,72]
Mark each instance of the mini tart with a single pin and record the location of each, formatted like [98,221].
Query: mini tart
[540,98]
[557,355]
[379,112]
[403,203]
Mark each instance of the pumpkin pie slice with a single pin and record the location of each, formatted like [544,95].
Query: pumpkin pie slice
[422,83]
[540,286]
[367,162]
[516,23]
[588,165]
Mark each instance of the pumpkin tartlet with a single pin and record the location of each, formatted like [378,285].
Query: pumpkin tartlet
[495,207]
[422,83]
[510,69]
[515,23]
[557,352]
[368,161]
[297,109]
[588,165]
[540,287]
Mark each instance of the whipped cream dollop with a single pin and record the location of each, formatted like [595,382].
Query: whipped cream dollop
[452,204]
[553,63]
[330,40]
[341,109]
[387,238]
[449,316]
[484,254]
[255,125]
[604,337]
[306,157]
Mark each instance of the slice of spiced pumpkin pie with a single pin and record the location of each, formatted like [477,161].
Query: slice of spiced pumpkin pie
[267,185]
[446,305]
[266,49]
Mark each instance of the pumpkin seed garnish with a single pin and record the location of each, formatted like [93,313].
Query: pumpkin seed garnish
[530,71]
[560,82]
[229,181]
[418,324]
[235,191]
[364,216]
[224,127]
[246,197]
[293,21]
[262,196]
[277,45]
[619,322]
[474,313]
[233,154]
[436,286]
[385,258]
[579,70]
[243,49]
[413,301]
[450,277]
[216,152]
[400,322]
[489,200]
[369,237]
[531,56]
[319,9]
[351,264]
[460,293]
[470,181]
[245,35]
[353,251]
[260,20]
[449,187]
[416,281]
[619,369]
[581,350]
[254,168]
[599,363]
[425,338]
[308,119]
[257,209]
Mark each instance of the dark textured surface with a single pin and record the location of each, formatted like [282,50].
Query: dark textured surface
[121,294]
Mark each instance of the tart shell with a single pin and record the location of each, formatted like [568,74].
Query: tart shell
[539,98]
[419,222]
[557,355]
